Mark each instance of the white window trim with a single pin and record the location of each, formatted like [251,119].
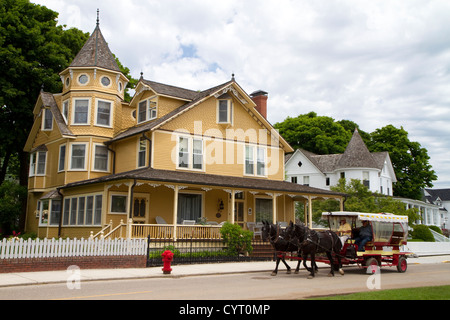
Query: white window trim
[44,112]
[122,194]
[138,152]
[229,111]
[110,82]
[255,161]
[86,155]
[95,145]
[68,110]
[190,153]
[84,195]
[65,158]
[87,82]
[111,110]
[73,112]
[34,169]
[148,116]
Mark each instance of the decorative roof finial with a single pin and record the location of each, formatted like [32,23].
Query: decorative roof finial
[142,75]
[98,17]
[232,76]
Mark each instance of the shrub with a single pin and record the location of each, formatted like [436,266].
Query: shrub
[436,229]
[422,232]
[238,241]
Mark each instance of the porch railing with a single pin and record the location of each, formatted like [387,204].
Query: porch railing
[167,231]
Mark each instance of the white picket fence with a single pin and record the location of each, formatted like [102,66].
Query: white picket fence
[49,248]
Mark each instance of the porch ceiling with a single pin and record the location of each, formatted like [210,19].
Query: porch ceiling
[193,178]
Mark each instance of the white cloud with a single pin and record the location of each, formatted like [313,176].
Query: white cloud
[373,62]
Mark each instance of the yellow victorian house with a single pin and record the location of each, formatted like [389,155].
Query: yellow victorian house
[172,163]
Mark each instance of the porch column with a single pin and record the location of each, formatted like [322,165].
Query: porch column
[274,206]
[341,204]
[233,204]
[175,212]
[310,212]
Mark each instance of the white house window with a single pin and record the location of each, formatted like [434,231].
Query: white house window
[65,111]
[261,162]
[294,179]
[47,121]
[81,111]
[147,110]
[142,152]
[100,158]
[118,204]
[249,160]
[103,113]
[82,211]
[62,158]
[38,163]
[366,179]
[224,111]
[190,153]
[306,180]
[78,157]
[258,153]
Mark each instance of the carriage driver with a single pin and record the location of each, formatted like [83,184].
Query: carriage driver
[365,235]
[344,231]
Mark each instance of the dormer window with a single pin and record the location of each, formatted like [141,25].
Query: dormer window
[147,110]
[224,111]
[47,121]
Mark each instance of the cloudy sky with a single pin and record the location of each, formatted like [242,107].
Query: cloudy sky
[373,62]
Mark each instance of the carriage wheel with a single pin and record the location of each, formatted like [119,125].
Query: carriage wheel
[402,264]
[372,265]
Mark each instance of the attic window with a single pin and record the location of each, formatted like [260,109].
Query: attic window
[147,110]
[224,111]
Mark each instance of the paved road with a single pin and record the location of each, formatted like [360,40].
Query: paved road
[254,286]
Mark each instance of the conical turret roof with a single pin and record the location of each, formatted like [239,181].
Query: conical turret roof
[356,155]
[95,53]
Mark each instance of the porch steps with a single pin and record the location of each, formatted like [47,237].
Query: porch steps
[262,250]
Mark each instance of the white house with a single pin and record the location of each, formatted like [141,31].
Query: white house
[374,169]
[440,198]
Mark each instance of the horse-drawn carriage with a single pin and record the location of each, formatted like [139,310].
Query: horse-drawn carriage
[389,233]
[367,239]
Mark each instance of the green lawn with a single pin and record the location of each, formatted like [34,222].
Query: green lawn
[423,293]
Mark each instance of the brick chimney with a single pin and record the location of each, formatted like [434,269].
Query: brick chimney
[260,98]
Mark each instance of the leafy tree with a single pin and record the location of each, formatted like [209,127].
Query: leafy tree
[324,135]
[318,134]
[409,159]
[361,199]
[33,51]
[11,197]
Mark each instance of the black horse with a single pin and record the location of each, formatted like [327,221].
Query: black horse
[276,236]
[311,242]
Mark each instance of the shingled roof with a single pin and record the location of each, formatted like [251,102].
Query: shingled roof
[356,154]
[95,53]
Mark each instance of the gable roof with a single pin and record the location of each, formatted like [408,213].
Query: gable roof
[48,101]
[434,194]
[193,98]
[160,88]
[95,53]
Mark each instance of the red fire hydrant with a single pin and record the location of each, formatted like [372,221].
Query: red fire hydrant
[167,258]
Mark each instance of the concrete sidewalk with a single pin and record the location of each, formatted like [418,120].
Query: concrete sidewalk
[49,277]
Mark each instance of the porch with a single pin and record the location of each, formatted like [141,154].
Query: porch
[183,205]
